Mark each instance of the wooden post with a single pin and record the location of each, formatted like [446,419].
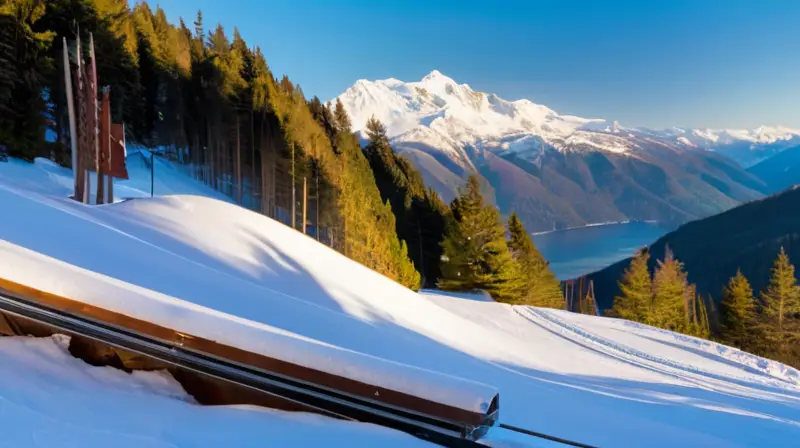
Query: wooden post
[110,189]
[238,164]
[73,133]
[252,155]
[305,203]
[83,173]
[98,168]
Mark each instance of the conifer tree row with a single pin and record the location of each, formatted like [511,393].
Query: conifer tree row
[420,213]
[767,324]
[666,299]
[206,100]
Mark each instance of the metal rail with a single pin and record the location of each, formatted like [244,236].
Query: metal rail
[308,396]
[314,398]
[540,435]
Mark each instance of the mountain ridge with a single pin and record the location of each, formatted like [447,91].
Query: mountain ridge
[440,104]
[555,170]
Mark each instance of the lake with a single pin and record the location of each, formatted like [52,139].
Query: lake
[582,250]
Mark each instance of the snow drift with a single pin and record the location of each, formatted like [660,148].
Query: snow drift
[601,381]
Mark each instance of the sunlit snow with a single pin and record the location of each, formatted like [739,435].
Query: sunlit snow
[601,381]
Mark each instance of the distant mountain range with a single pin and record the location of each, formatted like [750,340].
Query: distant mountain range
[780,171]
[747,237]
[561,171]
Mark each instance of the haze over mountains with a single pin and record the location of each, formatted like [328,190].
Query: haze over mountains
[561,171]
[780,171]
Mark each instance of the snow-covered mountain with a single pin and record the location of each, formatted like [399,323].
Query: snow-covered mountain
[746,146]
[561,170]
[439,112]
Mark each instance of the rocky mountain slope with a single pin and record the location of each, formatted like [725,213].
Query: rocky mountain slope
[557,170]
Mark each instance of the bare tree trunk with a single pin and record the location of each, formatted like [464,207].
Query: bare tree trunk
[110,189]
[209,158]
[305,203]
[294,199]
[238,164]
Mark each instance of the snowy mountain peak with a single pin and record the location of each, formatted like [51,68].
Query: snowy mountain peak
[436,75]
[437,110]
[438,113]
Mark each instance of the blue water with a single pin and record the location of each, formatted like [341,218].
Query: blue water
[574,252]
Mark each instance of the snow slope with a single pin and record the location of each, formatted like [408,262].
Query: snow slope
[438,113]
[48,398]
[600,381]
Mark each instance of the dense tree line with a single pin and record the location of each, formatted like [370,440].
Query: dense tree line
[212,102]
[665,300]
[421,214]
[767,324]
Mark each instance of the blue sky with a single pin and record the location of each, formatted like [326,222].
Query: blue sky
[658,63]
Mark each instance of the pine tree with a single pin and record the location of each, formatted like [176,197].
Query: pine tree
[24,66]
[781,302]
[341,117]
[637,290]
[739,313]
[587,304]
[670,295]
[219,102]
[697,323]
[475,250]
[542,288]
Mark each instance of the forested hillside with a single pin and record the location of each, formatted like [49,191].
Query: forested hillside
[211,101]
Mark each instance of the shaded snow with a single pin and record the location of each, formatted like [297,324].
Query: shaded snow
[601,381]
[48,398]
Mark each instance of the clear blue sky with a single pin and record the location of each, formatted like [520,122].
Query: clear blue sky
[658,63]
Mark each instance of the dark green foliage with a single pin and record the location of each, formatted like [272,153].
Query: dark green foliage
[542,288]
[636,289]
[476,255]
[213,103]
[24,67]
[420,214]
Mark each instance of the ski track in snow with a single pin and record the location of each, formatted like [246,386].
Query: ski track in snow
[699,377]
